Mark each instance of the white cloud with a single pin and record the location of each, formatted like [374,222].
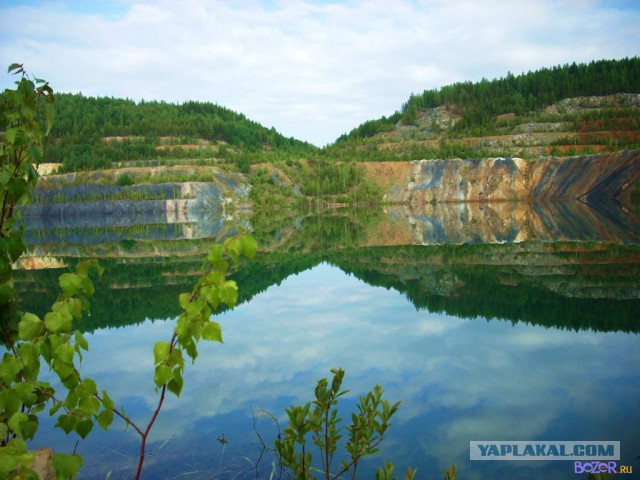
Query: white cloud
[311,69]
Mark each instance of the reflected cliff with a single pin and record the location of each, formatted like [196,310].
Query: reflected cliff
[561,265]
[509,222]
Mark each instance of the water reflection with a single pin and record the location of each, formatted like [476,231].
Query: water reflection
[459,380]
[504,260]
[413,300]
[506,222]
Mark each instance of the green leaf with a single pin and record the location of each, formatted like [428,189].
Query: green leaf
[229,293]
[161,352]
[70,283]
[9,368]
[14,454]
[190,347]
[15,66]
[105,419]
[71,402]
[10,135]
[45,349]
[176,383]
[214,277]
[19,189]
[212,294]
[67,374]
[56,407]
[30,326]
[35,409]
[7,293]
[81,342]
[176,358]
[58,322]
[16,245]
[36,153]
[233,250]
[66,423]
[73,306]
[87,387]
[84,427]
[64,353]
[30,428]
[212,331]
[106,400]
[90,405]
[16,421]
[215,254]
[26,393]
[248,246]
[66,466]
[29,354]
[184,299]
[19,137]
[162,375]
[241,246]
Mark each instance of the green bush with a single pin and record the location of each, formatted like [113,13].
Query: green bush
[319,422]
[124,180]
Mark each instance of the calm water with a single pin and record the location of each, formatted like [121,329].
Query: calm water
[460,376]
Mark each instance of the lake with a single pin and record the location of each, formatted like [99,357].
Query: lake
[486,328]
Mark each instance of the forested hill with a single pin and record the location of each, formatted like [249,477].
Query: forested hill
[90,133]
[487,108]
[564,110]
[480,103]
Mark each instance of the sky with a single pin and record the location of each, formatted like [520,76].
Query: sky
[312,69]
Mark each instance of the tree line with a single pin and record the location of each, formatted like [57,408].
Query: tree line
[80,138]
[482,292]
[479,103]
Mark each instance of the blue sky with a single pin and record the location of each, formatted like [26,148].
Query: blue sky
[311,69]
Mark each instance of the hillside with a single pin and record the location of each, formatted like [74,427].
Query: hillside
[563,111]
[92,133]
[567,110]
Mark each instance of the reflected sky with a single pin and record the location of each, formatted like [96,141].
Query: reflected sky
[458,379]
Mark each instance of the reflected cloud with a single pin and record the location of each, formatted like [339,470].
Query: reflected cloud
[459,380]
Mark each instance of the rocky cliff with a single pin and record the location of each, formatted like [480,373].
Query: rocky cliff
[86,206]
[609,177]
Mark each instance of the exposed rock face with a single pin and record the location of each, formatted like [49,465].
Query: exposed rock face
[468,180]
[179,203]
[580,104]
[588,178]
[498,200]
[595,177]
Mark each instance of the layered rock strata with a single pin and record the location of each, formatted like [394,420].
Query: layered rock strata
[587,178]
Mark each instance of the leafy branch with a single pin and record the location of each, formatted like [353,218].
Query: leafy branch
[194,324]
[30,340]
[319,420]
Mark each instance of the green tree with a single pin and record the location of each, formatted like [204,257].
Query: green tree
[21,148]
[30,341]
[318,422]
